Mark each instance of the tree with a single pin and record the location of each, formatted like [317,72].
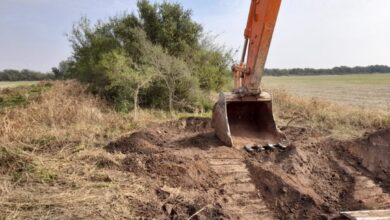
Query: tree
[211,67]
[170,26]
[64,69]
[24,75]
[171,70]
[126,77]
[342,70]
[163,39]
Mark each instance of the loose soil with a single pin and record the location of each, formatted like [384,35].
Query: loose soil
[195,175]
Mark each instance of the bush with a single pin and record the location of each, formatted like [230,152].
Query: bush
[157,60]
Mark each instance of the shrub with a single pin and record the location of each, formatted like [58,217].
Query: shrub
[158,59]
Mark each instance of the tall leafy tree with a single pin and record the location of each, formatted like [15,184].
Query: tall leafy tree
[125,77]
[163,39]
[170,26]
[172,71]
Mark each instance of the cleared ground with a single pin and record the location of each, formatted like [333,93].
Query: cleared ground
[371,91]
[66,154]
[15,84]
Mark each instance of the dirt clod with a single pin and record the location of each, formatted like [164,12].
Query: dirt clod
[314,178]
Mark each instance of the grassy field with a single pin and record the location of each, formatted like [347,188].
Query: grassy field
[371,91]
[16,84]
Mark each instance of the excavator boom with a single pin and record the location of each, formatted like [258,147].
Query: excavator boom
[260,27]
[245,115]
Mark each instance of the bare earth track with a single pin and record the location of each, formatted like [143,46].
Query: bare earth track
[194,175]
[240,199]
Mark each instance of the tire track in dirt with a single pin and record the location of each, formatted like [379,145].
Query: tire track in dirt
[365,189]
[315,178]
[239,196]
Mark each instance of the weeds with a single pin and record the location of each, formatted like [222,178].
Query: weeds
[22,168]
[65,115]
[12,162]
[22,95]
[339,121]
[46,175]
[52,162]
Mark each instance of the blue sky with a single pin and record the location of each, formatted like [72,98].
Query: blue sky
[309,33]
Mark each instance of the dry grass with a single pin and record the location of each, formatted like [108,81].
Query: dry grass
[332,119]
[16,84]
[369,91]
[64,114]
[53,166]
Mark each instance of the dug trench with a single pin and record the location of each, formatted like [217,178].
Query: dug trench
[195,176]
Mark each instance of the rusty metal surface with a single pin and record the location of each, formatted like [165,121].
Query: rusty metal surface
[220,121]
[259,31]
[245,120]
[245,116]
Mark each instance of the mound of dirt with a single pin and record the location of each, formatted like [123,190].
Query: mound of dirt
[149,153]
[143,142]
[172,170]
[178,207]
[329,175]
[291,199]
[167,135]
[315,178]
[182,172]
[373,153]
[158,153]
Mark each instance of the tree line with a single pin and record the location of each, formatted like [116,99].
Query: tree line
[342,70]
[24,75]
[64,71]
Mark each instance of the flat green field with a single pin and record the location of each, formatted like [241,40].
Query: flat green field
[363,90]
[16,84]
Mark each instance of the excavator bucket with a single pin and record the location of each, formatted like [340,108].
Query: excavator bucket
[245,116]
[239,121]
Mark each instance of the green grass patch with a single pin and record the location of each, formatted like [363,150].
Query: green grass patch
[46,176]
[21,95]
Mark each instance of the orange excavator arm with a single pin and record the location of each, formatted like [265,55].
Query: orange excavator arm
[245,115]
[258,35]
